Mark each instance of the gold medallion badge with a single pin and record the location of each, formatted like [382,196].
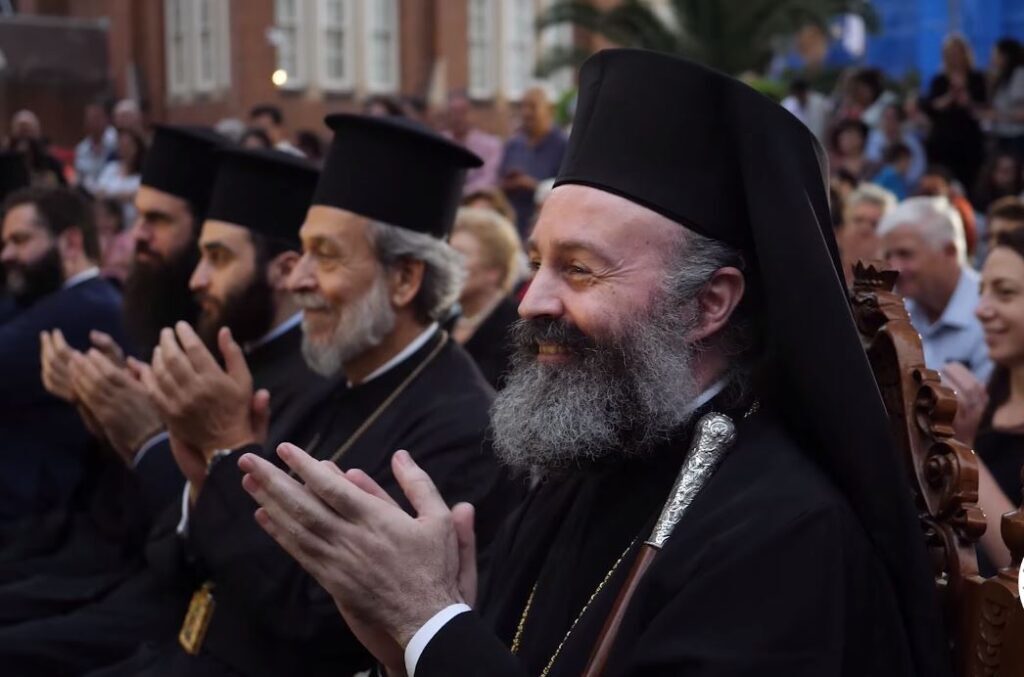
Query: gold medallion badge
[197,620]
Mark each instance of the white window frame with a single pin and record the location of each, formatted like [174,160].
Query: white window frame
[376,82]
[518,45]
[482,48]
[175,32]
[205,81]
[329,82]
[298,76]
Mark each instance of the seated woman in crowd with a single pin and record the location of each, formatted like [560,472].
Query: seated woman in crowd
[490,198]
[492,250]
[849,149]
[992,419]
[120,179]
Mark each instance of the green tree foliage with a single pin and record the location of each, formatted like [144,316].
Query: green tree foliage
[734,36]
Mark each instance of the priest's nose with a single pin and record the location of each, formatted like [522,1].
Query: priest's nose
[542,298]
[301,278]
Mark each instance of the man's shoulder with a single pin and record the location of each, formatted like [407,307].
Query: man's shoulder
[95,301]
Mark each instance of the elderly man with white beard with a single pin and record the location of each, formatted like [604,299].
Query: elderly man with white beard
[374,277]
[718,493]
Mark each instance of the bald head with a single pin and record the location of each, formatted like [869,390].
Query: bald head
[536,112]
[25,125]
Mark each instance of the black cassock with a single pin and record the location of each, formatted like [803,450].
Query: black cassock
[768,573]
[271,618]
[489,346]
[100,552]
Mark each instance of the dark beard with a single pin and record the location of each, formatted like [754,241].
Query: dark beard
[156,295]
[247,313]
[26,284]
[619,396]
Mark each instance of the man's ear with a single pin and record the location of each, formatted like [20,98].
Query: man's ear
[405,277]
[70,242]
[717,301]
[279,268]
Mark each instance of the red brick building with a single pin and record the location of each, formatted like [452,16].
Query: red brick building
[199,61]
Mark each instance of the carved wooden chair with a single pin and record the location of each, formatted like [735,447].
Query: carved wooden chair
[985,619]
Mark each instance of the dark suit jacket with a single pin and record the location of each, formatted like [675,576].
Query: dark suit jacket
[44,448]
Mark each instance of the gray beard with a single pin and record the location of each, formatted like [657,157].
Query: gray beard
[618,397]
[360,327]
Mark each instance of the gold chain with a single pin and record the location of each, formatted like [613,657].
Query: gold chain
[372,418]
[517,640]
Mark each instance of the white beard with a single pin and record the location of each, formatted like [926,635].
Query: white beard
[361,326]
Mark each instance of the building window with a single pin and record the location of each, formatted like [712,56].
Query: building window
[381,21]
[482,39]
[288,39]
[198,55]
[176,38]
[337,45]
[519,52]
[206,59]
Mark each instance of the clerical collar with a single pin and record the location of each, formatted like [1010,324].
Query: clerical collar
[706,396]
[84,276]
[277,331]
[402,356]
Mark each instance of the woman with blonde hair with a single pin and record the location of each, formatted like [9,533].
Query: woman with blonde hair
[490,245]
[955,98]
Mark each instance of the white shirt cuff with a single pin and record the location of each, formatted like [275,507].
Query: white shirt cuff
[183,522]
[422,638]
[147,445]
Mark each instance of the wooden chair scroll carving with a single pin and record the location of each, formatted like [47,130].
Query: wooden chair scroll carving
[985,620]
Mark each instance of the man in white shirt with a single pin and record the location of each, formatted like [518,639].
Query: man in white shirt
[923,239]
[94,151]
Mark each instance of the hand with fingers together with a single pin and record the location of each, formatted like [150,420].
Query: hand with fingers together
[114,402]
[388,572]
[207,408]
[55,357]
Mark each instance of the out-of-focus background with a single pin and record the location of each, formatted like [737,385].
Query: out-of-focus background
[207,60]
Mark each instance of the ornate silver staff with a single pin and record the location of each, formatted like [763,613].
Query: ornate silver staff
[713,440]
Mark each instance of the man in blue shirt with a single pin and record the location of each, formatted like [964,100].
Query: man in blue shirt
[49,256]
[923,238]
[532,154]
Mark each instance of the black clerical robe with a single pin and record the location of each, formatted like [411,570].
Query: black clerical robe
[768,573]
[489,346]
[103,548]
[271,618]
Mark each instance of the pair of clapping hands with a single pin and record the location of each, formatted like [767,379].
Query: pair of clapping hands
[125,401]
[99,382]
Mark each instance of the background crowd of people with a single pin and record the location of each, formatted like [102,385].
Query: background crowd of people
[930,181]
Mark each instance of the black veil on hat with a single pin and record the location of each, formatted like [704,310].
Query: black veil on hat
[265,191]
[182,161]
[394,170]
[13,174]
[714,155]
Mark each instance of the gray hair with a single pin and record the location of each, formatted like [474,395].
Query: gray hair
[934,218]
[443,272]
[874,194]
[691,264]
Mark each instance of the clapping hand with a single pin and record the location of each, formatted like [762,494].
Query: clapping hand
[388,572]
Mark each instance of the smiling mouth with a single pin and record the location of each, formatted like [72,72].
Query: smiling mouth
[551,349]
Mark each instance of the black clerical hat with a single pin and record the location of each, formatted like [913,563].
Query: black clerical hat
[710,153]
[394,170]
[13,174]
[182,161]
[266,191]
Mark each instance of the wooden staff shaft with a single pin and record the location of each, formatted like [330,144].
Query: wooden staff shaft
[715,436]
[598,659]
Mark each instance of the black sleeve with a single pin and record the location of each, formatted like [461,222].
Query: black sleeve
[159,478]
[465,646]
[250,568]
